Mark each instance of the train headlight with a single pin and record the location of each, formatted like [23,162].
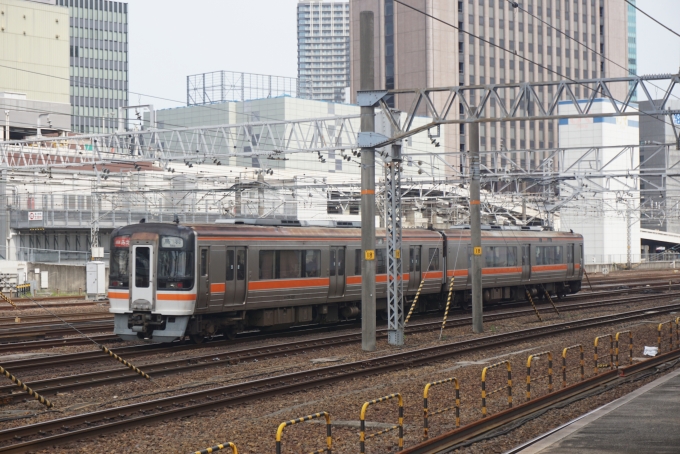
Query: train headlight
[172,242]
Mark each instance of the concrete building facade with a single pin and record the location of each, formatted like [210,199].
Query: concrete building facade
[34,67]
[323,49]
[605,219]
[99,63]
[413,50]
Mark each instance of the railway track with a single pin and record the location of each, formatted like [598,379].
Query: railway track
[61,430]
[54,332]
[25,319]
[29,332]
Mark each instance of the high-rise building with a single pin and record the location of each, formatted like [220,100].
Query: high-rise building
[99,63]
[413,50]
[34,68]
[323,49]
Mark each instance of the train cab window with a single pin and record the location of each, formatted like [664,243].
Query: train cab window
[204,262]
[230,265]
[240,265]
[142,270]
[433,259]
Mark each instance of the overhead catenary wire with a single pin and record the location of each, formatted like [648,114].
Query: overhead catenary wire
[655,20]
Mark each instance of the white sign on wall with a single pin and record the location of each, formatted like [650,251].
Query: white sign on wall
[35,215]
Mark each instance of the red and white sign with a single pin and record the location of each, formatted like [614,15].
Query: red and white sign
[121,241]
[35,215]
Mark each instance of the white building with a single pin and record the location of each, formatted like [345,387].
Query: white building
[323,49]
[607,220]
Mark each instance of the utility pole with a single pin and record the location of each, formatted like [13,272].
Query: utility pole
[475,230]
[367,187]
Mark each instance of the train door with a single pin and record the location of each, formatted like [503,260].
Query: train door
[216,277]
[336,272]
[203,279]
[414,268]
[235,293]
[570,260]
[143,272]
[526,262]
[241,280]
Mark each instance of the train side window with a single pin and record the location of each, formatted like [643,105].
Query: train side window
[240,265]
[341,262]
[539,255]
[411,262]
[357,262]
[267,264]
[312,263]
[288,264]
[332,263]
[380,261]
[489,252]
[204,262]
[433,259]
[570,253]
[558,254]
[512,256]
[469,255]
[230,265]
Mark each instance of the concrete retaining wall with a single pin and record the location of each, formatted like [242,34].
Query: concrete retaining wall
[644,266]
[65,278]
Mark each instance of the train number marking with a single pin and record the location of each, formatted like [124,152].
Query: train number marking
[369,254]
[477,250]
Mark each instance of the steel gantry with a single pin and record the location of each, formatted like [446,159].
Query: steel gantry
[498,103]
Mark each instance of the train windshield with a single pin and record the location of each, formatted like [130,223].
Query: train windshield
[118,268]
[175,269]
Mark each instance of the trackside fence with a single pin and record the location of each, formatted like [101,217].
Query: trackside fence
[630,346]
[549,376]
[565,369]
[509,386]
[329,437]
[670,334]
[362,421]
[610,364]
[426,412]
[219,448]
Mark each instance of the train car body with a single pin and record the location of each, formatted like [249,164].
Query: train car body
[168,281]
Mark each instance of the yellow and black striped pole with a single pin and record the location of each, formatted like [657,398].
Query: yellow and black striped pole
[118,358]
[531,300]
[23,386]
[219,448]
[630,346]
[551,301]
[415,301]
[329,436]
[448,304]
[362,422]
[550,372]
[4,297]
[426,411]
[484,394]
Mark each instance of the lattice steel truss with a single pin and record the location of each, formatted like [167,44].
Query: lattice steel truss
[393,225]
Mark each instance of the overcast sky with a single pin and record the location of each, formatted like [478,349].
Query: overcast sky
[171,39]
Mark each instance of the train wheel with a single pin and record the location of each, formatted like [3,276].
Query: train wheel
[230,332]
[197,338]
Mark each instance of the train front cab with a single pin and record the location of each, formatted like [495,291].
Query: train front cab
[151,288]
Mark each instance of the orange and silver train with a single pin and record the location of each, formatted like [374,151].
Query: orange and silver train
[168,281]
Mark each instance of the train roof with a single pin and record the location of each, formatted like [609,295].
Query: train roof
[246,230]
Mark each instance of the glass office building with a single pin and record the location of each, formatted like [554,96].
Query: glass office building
[99,63]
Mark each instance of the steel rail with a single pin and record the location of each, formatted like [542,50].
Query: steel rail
[71,428]
[214,359]
[11,320]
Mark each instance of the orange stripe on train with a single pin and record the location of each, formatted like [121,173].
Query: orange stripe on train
[288,283]
[175,296]
[562,267]
[119,295]
[218,288]
[502,270]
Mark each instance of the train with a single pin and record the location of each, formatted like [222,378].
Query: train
[169,281]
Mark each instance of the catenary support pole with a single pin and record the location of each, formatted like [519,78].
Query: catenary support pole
[367,188]
[476,230]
